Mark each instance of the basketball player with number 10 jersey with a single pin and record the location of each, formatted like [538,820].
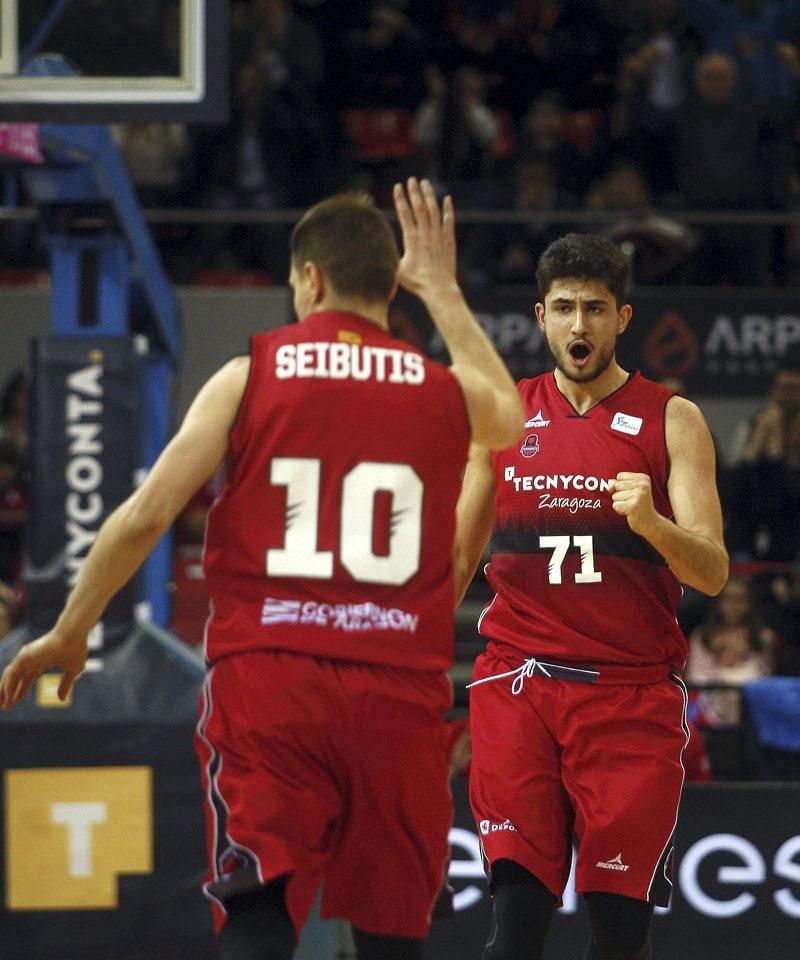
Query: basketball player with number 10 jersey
[329,560]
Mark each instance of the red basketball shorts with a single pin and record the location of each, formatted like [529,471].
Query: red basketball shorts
[562,758]
[327,772]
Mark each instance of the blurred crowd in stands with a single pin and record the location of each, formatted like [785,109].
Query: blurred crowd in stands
[639,109]
[537,110]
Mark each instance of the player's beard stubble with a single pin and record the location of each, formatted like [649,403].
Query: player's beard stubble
[598,362]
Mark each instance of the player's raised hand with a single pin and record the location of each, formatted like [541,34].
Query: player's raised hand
[36,658]
[429,238]
[632,496]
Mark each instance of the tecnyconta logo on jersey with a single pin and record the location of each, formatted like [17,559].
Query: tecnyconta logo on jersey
[560,482]
[556,481]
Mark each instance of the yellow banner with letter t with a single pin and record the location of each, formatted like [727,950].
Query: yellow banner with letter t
[70,833]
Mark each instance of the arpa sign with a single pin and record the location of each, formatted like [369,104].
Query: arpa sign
[717,342]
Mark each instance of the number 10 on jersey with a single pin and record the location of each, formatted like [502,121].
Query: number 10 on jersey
[300,556]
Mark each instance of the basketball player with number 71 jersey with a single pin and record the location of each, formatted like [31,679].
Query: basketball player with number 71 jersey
[577,710]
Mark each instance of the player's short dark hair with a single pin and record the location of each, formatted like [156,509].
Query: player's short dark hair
[352,243]
[584,256]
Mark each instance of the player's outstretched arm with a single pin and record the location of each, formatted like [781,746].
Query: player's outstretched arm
[474,518]
[692,545]
[131,532]
[428,269]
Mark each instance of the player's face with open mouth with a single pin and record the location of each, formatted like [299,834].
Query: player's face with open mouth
[581,322]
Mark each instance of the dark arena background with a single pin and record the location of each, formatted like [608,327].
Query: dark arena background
[154,155]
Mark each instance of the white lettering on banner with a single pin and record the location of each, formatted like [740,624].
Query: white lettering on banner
[470,868]
[754,334]
[83,504]
[787,332]
[789,869]
[350,617]
[79,818]
[511,332]
[751,870]
[348,361]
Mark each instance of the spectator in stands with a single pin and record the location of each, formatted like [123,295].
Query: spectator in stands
[731,156]
[653,82]
[8,610]
[14,411]
[381,64]
[542,136]
[233,170]
[658,246]
[508,253]
[765,489]
[13,510]
[482,36]
[785,607]
[282,147]
[750,33]
[580,52]
[733,645]
[157,156]
[455,133]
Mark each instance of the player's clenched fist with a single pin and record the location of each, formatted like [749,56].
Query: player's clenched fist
[632,496]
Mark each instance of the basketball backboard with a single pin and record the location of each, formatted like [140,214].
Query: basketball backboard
[135,60]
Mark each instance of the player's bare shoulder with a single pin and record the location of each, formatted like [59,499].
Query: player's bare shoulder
[234,374]
[217,404]
[227,386]
[683,414]
[685,426]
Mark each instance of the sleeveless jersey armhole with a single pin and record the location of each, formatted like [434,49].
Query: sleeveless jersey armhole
[239,428]
[667,463]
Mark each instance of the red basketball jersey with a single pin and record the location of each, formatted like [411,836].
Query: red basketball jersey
[333,536]
[573,582]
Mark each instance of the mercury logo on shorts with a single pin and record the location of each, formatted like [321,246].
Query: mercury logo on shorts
[488,827]
[614,864]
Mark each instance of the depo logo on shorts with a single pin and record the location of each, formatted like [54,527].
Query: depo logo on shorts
[80,827]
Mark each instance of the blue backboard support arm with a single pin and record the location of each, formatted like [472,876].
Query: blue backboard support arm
[103,263]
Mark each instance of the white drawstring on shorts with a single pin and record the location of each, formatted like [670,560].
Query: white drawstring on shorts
[528,668]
